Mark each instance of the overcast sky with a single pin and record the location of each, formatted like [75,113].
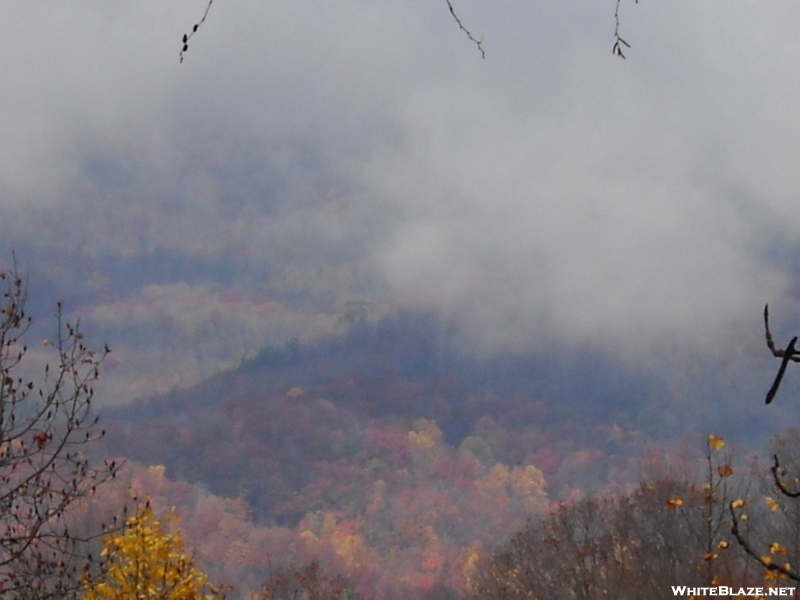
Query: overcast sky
[547,192]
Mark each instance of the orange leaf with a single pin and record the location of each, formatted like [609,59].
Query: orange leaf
[724,470]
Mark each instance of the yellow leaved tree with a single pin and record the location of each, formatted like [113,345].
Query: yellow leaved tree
[147,561]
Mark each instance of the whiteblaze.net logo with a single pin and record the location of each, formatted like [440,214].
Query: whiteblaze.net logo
[723,590]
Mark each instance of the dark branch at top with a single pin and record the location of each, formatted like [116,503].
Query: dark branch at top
[790,354]
[478,43]
[465,30]
[195,27]
[618,41]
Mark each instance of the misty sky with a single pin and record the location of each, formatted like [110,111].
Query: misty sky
[548,192]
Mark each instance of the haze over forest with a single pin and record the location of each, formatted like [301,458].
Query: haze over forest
[605,230]
[302,162]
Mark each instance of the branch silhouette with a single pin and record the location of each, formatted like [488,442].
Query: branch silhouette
[789,354]
[478,43]
[465,30]
[195,27]
[618,41]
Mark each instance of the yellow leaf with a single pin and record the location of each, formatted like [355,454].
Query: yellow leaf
[737,503]
[716,442]
[675,502]
[776,548]
[772,503]
[723,544]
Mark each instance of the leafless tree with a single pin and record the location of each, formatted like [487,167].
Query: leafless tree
[663,533]
[309,581]
[45,428]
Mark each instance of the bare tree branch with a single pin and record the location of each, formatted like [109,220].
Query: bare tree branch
[195,27]
[618,41]
[617,49]
[44,472]
[780,483]
[790,354]
[465,30]
[769,566]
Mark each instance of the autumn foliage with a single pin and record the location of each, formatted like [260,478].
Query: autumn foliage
[367,478]
[148,561]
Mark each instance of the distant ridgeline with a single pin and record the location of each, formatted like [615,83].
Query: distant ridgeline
[403,368]
[419,353]
[411,365]
[390,446]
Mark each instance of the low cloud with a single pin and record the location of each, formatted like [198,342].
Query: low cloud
[548,193]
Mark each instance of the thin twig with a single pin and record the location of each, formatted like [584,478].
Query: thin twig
[465,30]
[618,41]
[781,485]
[771,343]
[769,566]
[188,36]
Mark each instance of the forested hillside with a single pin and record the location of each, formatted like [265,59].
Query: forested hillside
[549,411]
[389,453]
[379,316]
